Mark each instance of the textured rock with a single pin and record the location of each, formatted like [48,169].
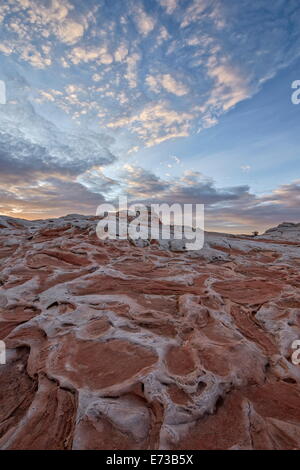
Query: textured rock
[128,345]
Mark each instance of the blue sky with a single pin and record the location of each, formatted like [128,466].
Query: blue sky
[162,100]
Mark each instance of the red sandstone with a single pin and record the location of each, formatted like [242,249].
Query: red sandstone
[114,346]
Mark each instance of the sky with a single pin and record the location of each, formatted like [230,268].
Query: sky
[170,101]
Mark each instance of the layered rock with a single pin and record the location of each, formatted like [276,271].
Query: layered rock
[112,345]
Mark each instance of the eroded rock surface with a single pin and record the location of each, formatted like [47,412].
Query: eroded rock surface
[111,345]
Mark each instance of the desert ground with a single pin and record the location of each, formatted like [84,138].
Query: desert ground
[112,345]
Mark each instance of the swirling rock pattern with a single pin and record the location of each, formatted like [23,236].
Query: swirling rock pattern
[111,345]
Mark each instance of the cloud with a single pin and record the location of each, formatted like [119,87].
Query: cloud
[132,69]
[99,55]
[167,82]
[46,172]
[169,5]
[55,17]
[22,158]
[35,58]
[139,75]
[5,48]
[133,149]
[287,195]
[230,86]
[233,209]
[173,86]
[144,22]
[153,83]
[156,123]
[121,53]
[191,188]
[162,36]
[70,32]
[204,53]
[40,163]
[259,212]
[97,182]
[35,27]
[50,197]
[195,11]
[140,183]
[97,77]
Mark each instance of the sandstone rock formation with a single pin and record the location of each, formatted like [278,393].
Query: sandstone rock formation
[116,346]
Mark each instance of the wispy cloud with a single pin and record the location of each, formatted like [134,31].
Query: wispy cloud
[195,11]
[169,5]
[167,82]
[131,74]
[156,123]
